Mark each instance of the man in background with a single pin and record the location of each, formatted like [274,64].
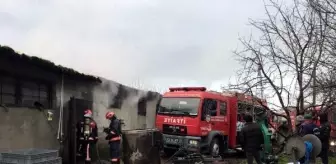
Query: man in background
[324,136]
[299,121]
[251,140]
[308,126]
[240,123]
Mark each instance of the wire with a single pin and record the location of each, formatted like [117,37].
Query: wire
[62,101]
[60,121]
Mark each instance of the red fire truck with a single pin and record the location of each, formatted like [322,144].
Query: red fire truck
[201,120]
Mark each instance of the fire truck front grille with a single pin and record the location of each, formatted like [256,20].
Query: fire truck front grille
[174,129]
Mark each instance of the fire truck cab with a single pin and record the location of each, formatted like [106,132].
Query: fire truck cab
[199,120]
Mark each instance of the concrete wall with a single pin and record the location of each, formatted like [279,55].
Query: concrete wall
[29,128]
[26,128]
[103,98]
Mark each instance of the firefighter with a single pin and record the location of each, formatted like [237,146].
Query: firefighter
[324,136]
[114,137]
[87,136]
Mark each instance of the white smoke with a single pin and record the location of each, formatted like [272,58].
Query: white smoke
[105,95]
[111,87]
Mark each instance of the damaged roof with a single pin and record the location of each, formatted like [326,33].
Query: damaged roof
[8,52]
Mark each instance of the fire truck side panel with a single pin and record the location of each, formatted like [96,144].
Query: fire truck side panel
[293,119]
[219,125]
[233,108]
[221,122]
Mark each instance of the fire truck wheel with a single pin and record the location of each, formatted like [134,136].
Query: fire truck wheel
[214,148]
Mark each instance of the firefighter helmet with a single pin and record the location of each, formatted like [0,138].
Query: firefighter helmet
[109,115]
[88,113]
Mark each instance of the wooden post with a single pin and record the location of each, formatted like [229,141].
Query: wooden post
[141,146]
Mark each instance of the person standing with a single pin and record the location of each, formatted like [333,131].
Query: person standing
[308,126]
[87,136]
[324,136]
[252,139]
[299,121]
[114,137]
[240,123]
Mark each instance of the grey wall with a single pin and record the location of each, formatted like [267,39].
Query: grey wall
[26,128]
[29,128]
[103,97]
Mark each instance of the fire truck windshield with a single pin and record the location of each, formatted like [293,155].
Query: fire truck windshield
[179,106]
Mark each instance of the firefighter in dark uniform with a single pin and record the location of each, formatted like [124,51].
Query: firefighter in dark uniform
[114,137]
[324,136]
[87,136]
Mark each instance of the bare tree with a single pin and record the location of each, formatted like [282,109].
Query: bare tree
[284,56]
[326,10]
[326,86]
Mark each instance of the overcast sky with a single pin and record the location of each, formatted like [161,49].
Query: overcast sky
[149,42]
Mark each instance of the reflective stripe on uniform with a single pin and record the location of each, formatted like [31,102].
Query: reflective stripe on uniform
[115,138]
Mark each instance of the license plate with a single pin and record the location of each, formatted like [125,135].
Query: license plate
[172,140]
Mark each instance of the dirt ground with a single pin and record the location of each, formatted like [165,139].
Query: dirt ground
[232,160]
[242,160]
[227,160]
[235,159]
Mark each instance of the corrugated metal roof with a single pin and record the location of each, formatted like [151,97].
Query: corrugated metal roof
[7,52]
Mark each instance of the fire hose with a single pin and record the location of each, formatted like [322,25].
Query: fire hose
[188,155]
